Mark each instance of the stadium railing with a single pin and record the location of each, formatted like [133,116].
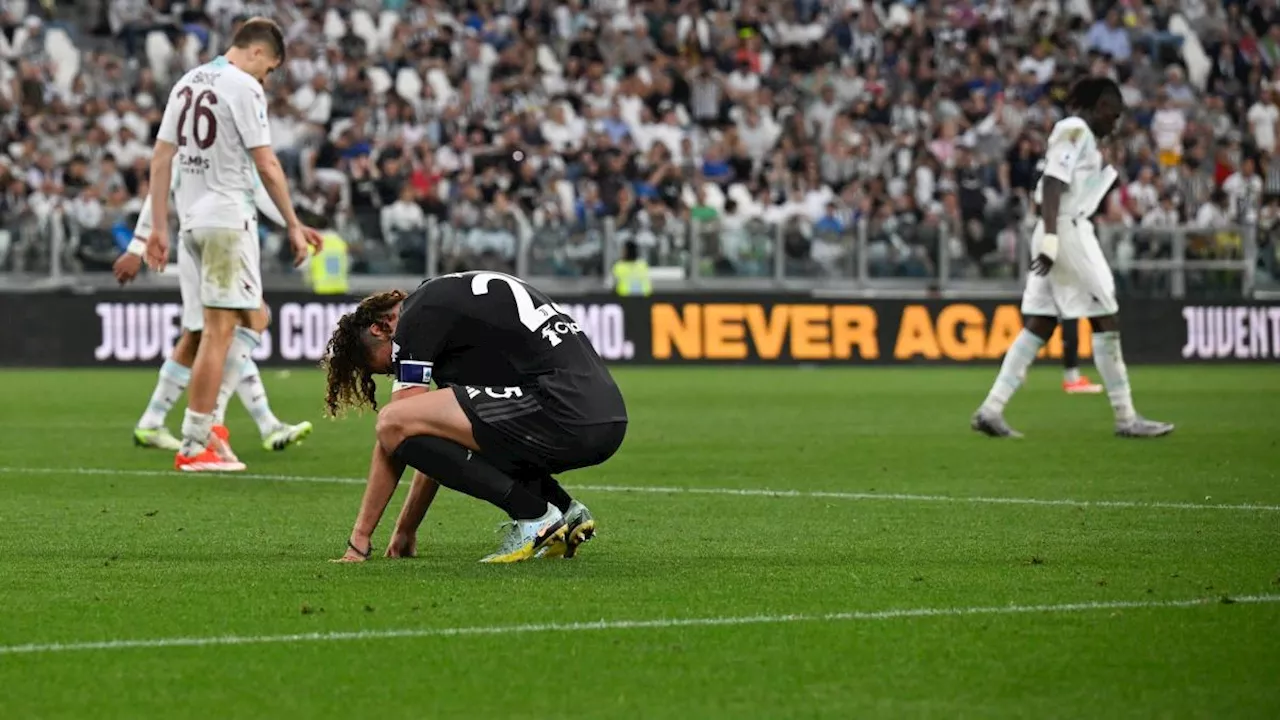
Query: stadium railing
[1187,260]
[871,257]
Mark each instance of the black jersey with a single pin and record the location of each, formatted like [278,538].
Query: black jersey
[487,329]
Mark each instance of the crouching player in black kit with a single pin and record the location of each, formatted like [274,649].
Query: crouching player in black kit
[523,396]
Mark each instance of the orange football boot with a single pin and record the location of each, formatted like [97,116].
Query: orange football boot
[1081,386]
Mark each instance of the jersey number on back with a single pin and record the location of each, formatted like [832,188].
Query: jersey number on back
[204,140]
[531,316]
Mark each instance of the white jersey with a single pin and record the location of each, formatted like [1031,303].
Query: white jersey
[215,115]
[1073,158]
[1080,284]
[142,230]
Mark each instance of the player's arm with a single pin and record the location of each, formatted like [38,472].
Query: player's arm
[404,541]
[266,206]
[421,333]
[162,181]
[1060,162]
[384,476]
[385,472]
[161,176]
[276,185]
[1052,192]
[127,266]
[421,336]
[249,112]
[301,238]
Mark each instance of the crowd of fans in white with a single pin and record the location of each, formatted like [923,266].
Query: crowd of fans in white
[562,126]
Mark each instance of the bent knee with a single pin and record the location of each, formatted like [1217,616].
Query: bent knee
[1105,323]
[219,324]
[390,429]
[1041,326]
[258,320]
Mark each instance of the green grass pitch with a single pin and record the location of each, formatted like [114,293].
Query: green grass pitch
[908,574]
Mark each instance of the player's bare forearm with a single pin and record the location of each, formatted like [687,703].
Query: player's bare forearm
[1052,191]
[161,177]
[421,494]
[263,200]
[403,543]
[384,476]
[276,184]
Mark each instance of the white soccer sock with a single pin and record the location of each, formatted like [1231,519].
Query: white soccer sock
[172,381]
[254,396]
[1014,368]
[1071,375]
[196,428]
[1109,358]
[242,346]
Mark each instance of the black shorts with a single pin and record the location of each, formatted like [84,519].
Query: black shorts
[517,435]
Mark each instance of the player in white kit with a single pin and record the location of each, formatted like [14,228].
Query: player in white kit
[213,135]
[175,372]
[1070,277]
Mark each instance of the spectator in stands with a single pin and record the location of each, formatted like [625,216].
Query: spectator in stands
[404,227]
[663,111]
[1244,193]
[1108,36]
[1168,125]
[1263,118]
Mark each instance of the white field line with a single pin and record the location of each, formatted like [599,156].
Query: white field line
[657,624]
[740,492]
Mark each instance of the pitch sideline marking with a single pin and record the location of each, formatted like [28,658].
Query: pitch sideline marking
[658,624]
[741,492]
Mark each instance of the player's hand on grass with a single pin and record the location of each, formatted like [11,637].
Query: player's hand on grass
[359,549]
[158,249]
[403,545]
[126,267]
[1041,265]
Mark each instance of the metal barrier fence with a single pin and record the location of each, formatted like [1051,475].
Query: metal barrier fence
[1169,262]
[882,253]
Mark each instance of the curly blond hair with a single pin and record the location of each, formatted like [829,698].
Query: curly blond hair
[346,360]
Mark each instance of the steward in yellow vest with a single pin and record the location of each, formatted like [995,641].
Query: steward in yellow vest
[330,265]
[631,273]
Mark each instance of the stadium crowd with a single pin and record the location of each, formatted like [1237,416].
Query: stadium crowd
[508,124]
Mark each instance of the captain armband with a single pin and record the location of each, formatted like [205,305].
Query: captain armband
[412,374]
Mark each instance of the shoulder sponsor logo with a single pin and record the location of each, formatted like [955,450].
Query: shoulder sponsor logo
[550,336]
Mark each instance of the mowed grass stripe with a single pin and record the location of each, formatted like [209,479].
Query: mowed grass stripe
[732,492]
[657,624]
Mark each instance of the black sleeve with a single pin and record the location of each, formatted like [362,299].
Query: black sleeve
[421,336]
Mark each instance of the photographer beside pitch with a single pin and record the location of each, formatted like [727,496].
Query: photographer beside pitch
[522,396]
[1070,277]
